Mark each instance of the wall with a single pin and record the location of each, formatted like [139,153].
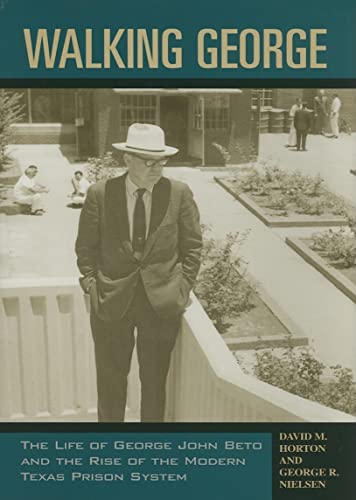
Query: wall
[43,133]
[105,120]
[242,140]
[284,98]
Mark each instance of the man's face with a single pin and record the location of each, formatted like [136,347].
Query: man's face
[78,176]
[31,172]
[144,171]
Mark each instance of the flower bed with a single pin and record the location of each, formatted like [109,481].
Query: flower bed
[247,318]
[237,311]
[280,198]
[299,372]
[333,253]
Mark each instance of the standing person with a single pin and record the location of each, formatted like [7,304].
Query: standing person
[28,192]
[320,112]
[292,137]
[138,246]
[80,187]
[334,116]
[302,123]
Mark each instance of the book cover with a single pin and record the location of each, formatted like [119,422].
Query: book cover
[178,250]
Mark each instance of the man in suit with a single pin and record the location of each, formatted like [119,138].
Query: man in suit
[138,246]
[302,124]
[320,112]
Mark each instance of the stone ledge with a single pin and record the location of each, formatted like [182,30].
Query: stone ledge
[295,338]
[265,342]
[333,275]
[273,221]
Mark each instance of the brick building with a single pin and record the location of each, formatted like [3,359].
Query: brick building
[203,123]
[197,121]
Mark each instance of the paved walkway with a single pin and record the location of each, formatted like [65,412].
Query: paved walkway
[43,246]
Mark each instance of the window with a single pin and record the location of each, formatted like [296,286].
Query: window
[266,96]
[217,112]
[137,108]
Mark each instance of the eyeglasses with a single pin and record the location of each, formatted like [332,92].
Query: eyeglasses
[151,162]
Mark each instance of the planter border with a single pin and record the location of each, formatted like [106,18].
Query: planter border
[333,275]
[295,338]
[272,221]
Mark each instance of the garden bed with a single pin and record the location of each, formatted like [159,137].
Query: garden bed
[243,313]
[252,324]
[262,325]
[343,278]
[281,199]
[298,371]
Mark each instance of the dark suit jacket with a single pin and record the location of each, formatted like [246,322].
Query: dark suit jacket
[302,120]
[171,258]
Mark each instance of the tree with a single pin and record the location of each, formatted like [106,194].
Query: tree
[10,112]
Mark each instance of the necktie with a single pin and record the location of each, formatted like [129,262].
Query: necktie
[139,223]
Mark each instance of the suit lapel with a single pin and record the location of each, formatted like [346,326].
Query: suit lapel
[161,195]
[116,211]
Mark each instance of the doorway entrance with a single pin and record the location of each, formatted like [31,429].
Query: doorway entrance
[174,121]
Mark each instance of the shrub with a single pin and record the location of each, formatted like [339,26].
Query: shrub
[104,167]
[303,193]
[299,372]
[222,291]
[10,112]
[236,150]
[338,246]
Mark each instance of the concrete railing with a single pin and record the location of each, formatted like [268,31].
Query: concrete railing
[47,369]
[207,385]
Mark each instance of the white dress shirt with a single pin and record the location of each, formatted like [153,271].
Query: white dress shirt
[131,197]
[335,105]
[24,186]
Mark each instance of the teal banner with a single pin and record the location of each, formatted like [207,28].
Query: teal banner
[120,465]
[156,39]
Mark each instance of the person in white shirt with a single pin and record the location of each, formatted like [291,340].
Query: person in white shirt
[80,185]
[334,116]
[28,192]
[292,137]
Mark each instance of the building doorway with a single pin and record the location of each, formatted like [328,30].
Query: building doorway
[174,121]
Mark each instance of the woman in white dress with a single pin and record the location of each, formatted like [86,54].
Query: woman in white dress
[292,137]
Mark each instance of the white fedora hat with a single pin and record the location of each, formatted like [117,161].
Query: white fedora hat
[147,139]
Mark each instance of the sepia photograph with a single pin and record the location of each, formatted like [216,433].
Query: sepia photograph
[177,255]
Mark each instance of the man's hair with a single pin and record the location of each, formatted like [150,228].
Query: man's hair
[78,172]
[31,167]
[335,95]
[305,104]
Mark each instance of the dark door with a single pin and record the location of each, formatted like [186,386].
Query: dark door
[84,123]
[174,121]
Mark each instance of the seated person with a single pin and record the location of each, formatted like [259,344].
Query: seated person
[80,185]
[28,192]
